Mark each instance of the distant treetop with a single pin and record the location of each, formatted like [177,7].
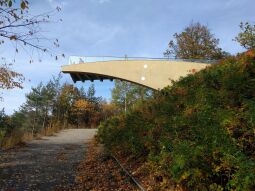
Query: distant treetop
[246,37]
[195,42]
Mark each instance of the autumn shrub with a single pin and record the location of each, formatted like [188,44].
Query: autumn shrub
[200,131]
[15,137]
[109,132]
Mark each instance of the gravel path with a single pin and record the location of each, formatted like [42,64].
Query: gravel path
[45,163]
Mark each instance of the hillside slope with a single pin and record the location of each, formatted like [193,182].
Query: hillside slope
[199,133]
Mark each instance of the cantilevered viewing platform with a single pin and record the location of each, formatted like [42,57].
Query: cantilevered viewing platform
[155,73]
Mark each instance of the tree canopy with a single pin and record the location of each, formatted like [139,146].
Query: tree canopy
[195,42]
[246,37]
[125,94]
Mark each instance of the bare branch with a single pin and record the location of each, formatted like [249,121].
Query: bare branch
[22,30]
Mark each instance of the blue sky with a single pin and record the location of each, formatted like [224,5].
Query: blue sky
[122,27]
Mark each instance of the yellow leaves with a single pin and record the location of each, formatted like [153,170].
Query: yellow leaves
[82,106]
[24,5]
[184,176]
[217,168]
[223,166]
[10,79]
[109,107]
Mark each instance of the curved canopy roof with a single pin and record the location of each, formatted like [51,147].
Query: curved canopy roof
[155,74]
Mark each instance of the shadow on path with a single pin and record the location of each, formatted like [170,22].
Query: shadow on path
[45,163]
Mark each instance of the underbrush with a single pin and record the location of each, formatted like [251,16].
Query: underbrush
[18,136]
[199,133]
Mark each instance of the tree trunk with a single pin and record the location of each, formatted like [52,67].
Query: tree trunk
[33,127]
[125,103]
[45,116]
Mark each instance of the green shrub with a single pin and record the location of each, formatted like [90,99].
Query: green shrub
[200,132]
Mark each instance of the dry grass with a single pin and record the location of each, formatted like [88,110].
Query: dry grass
[48,131]
[19,138]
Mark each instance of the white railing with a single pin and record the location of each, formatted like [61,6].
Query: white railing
[87,59]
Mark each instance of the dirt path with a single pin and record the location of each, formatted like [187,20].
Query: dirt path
[43,164]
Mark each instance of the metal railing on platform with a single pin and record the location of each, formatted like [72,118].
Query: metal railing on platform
[87,59]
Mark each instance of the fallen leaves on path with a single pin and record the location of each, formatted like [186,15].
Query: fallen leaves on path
[99,172]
